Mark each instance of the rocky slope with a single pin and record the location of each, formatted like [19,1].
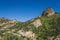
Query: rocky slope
[44,27]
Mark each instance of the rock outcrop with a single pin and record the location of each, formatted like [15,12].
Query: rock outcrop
[28,34]
[3,20]
[5,23]
[48,12]
[37,23]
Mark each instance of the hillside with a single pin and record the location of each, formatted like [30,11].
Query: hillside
[44,27]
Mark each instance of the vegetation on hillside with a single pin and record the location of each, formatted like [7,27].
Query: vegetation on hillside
[50,28]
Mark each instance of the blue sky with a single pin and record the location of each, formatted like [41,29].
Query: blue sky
[24,10]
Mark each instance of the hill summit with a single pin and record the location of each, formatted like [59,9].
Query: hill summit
[48,12]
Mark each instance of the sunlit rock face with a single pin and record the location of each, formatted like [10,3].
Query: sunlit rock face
[6,23]
[12,21]
[28,34]
[37,23]
[48,12]
[3,21]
